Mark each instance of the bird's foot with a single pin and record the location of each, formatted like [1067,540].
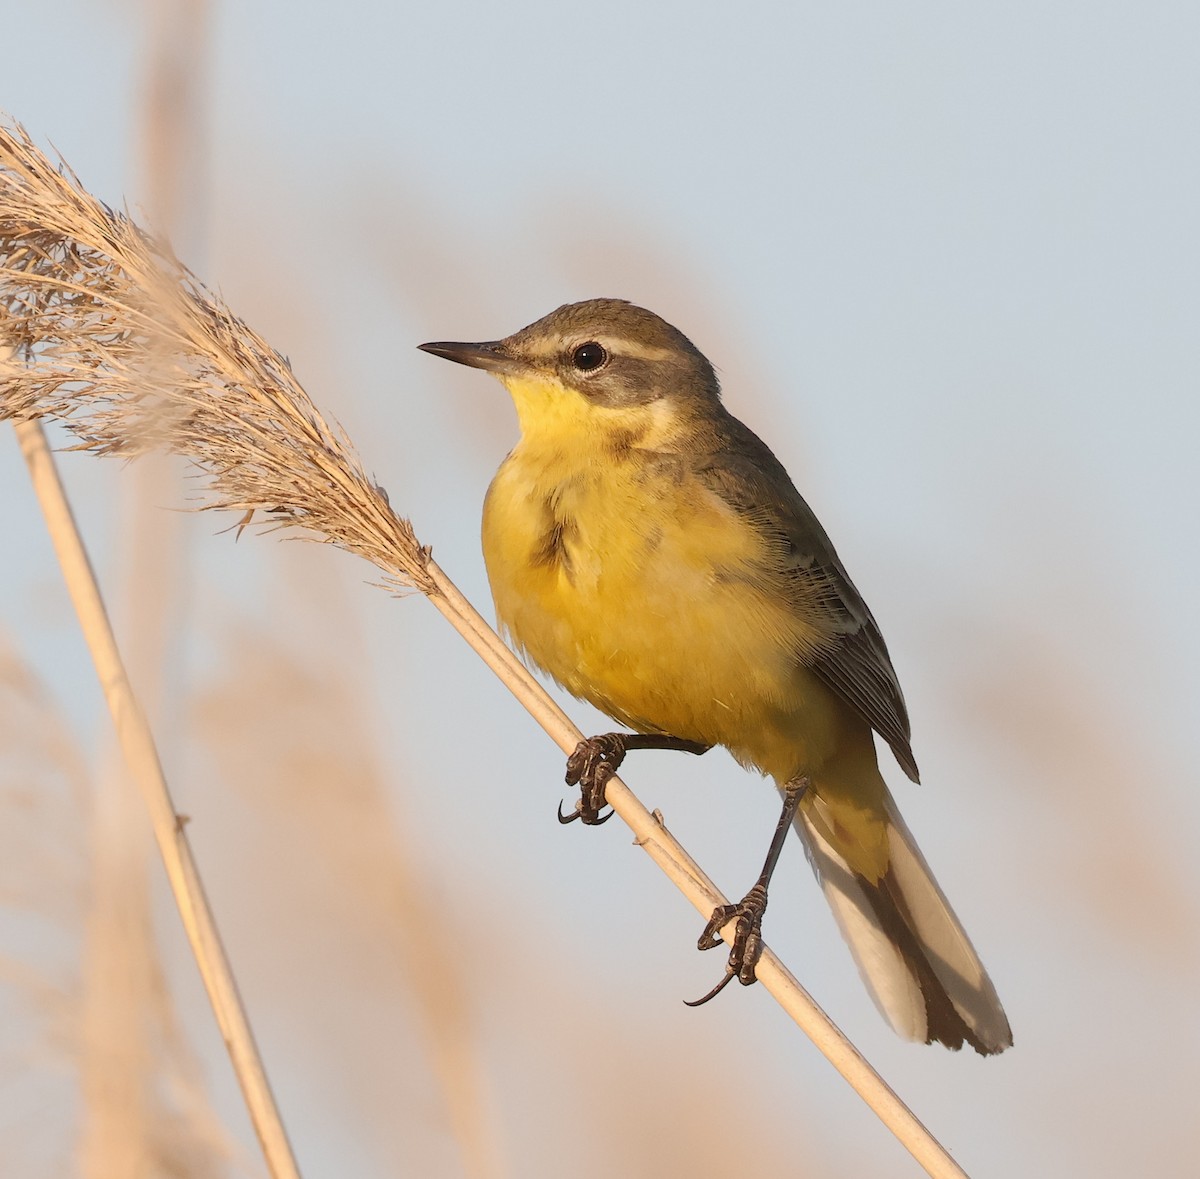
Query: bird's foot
[594,761]
[748,913]
[747,945]
[598,758]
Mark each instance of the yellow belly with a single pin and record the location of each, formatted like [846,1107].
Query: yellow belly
[645,597]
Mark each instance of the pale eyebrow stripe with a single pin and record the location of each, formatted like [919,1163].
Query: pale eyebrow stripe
[624,347]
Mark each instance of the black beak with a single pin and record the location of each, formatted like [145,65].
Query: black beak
[489,356]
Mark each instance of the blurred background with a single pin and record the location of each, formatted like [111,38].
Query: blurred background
[946,260]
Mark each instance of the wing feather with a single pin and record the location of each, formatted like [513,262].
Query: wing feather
[854,663]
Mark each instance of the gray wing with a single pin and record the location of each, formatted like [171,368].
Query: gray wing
[742,470]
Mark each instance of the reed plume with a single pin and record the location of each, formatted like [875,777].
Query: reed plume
[111,334]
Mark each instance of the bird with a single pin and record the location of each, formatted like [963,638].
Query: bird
[650,553]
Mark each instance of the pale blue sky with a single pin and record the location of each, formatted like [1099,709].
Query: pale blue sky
[946,260]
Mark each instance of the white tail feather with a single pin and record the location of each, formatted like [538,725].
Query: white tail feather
[892,979]
[888,979]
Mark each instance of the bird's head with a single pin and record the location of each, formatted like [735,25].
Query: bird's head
[603,362]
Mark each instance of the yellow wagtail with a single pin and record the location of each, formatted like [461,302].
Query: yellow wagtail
[651,554]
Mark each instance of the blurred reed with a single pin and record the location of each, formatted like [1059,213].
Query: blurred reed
[129,1127]
[99,1031]
[44,868]
[346,877]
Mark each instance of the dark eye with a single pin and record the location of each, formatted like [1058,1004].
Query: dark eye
[588,356]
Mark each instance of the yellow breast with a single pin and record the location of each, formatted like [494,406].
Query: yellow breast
[642,592]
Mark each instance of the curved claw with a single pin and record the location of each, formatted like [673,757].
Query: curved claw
[730,973]
[578,814]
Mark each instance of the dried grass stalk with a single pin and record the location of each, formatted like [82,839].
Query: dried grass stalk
[91,303]
[141,756]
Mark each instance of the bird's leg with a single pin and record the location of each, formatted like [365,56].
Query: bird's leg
[596,759]
[747,934]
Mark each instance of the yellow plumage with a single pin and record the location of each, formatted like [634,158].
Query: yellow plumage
[644,596]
